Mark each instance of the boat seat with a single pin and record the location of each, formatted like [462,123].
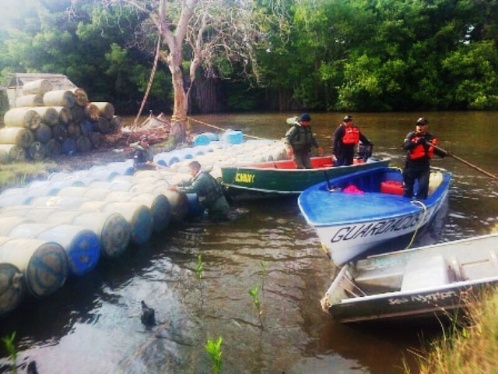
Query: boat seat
[423,273]
[382,277]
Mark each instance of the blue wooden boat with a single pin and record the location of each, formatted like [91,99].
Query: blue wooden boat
[438,280]
[360,212]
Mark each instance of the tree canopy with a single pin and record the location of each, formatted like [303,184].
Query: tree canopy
[235,55]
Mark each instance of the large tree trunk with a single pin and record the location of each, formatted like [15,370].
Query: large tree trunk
[180,108]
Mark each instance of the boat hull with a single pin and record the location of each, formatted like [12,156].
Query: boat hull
[281,178]
[351,224]
[432,281]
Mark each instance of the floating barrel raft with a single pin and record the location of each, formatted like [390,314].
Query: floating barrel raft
[43,264]
[63,225]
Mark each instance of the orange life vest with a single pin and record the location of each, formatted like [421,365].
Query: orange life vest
[351,135]
[420,151]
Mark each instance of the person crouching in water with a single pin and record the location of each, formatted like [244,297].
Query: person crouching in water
[419,145]
[346,138]
[299,139]
[208,190]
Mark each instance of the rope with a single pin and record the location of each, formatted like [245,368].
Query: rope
[424,207]
[151,80]
[221,129]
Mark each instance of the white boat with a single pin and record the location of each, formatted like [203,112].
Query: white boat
[366,211]
[435,280]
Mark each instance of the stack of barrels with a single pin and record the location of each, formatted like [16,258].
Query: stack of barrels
[46,123]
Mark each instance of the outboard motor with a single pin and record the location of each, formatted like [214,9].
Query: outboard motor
[364,151]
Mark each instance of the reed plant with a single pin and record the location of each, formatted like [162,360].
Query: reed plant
[10,346]
[199,268]
[254,293]
[468,348]
[213,348]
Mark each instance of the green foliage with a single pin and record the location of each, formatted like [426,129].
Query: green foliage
[10,346]
[199,268]
[358,55]
[213,348]
[254,293]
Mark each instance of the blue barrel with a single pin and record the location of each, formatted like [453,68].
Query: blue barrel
[195,210]
[69,147]
[205,138]
[43,133]
[233,137]
[86,127]
[82,246]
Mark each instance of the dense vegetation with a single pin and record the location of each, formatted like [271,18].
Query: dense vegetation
[322,55]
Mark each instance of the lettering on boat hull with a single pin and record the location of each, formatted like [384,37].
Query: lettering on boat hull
[244,178]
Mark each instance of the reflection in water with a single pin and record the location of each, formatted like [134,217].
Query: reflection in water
[93,324]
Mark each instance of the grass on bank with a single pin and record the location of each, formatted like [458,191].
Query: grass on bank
[470,349]
[19,174]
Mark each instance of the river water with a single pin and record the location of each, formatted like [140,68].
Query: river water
[93,324]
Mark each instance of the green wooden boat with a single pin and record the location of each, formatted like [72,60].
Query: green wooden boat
[281,178]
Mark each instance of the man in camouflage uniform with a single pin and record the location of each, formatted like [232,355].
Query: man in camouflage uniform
[208,190]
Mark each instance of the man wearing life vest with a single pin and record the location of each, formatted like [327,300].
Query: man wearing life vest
[419,145]
[346,138]
[300,139]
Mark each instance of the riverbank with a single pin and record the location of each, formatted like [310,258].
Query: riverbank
[470,346]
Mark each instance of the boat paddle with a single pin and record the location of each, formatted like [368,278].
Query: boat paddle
[465,162]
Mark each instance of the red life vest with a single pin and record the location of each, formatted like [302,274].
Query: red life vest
[420,151]
[351,135]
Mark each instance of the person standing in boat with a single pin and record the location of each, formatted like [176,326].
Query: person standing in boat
[419,145]
[143,156]
[208,190]
[346,139]
[300,139]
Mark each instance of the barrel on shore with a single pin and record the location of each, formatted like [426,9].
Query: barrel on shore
[38,86]
[49,115]
[16,135]
[59,98]
[22,117]
[43,263]
[81,245]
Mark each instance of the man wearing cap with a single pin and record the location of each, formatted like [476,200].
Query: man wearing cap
[299,139]
[419,145]
[143,156]
[346,138]
[209,192]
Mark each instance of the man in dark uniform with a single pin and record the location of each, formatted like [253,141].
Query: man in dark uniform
[143,156]
[208,190]
[419,145]
[300,139]
[346,138]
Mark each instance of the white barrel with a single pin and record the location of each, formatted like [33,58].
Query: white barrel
[137,215]
[112,229]
[8,223]
[43,264]
[157,203]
